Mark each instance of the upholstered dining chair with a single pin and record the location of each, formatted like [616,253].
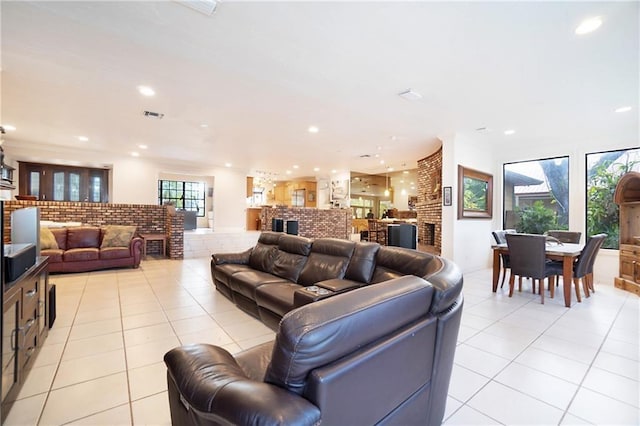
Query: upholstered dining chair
[583,268]
[499,238]
[565,236]
[528,259]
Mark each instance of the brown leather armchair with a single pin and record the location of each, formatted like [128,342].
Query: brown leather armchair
[380,354]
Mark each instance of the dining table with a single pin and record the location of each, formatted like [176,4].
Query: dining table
[567,253]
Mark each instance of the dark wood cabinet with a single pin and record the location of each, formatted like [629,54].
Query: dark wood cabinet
[25,326]
[627,196]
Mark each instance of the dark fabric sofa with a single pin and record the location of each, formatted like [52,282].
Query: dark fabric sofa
[376,347]
[282,272]
[79,249]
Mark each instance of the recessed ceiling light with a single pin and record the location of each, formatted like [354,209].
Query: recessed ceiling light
[227,164]
[146,91]
[589,25]
[143,146]
[623,109]
[333,171]
[410,95]
[381,161]
[406,172]
[83,139]
[9,127]
[390,169]
[316,169]
[288,172]
[204,126]
[295,166]
[135,154]
[313,129]
[509,132]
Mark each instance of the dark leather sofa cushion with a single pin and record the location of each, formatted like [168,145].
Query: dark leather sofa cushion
[276,297]
[363,262]
[246,282]
[320,332]
[291,257]
[82,237]
[226,270]
[393,262]
[262,257]
[328,259]
[264,252]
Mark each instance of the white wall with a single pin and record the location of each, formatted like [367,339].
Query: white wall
[229,199]
[466,241]
[400,200]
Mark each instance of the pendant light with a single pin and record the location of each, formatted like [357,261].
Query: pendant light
[386,185]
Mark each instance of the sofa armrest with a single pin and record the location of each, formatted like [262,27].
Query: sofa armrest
[237,258]
[209,380]
[338,285]
[447,283]
[135,247]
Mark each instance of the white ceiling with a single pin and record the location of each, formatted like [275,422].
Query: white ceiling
[260,73]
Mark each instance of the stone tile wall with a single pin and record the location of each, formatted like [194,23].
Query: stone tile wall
[429,205]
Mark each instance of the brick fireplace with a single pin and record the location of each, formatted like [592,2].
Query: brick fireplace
[429,205]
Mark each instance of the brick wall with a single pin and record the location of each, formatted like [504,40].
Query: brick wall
[429,205]
[312,222]
[147,217]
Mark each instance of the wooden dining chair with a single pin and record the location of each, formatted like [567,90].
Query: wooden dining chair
[583,268]
[499,237]
[528,259]
[565,236]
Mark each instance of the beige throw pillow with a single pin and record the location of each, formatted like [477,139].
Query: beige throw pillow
[47,239]
[117,236]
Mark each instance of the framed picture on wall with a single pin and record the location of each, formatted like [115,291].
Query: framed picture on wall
[339,190]
[475,194]
[446,196]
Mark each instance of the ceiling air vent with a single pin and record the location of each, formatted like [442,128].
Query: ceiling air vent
[152,114]
[365,156]
[206,7]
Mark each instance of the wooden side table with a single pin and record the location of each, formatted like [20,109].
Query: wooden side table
[153,237]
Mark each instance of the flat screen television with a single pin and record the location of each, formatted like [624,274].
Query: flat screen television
[25,227]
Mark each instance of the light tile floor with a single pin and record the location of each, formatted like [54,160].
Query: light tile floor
[517,361]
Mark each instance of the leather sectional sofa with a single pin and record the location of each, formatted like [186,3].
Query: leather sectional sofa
[80,249]
[285,271]
[376,347]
